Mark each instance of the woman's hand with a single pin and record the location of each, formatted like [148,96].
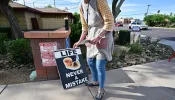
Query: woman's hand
[76,44]
[95,41]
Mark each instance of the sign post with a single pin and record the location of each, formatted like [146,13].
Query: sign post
[135,34]
[71,67]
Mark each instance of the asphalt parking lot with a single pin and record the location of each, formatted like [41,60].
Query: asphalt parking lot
[162,33]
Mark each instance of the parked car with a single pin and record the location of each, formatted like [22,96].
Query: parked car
[118,24]
[141,25]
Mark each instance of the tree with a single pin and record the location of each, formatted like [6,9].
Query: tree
[48,6]
[13,22]
[171,14]
[76,28]
[158,20]
[116,5]
[76,18]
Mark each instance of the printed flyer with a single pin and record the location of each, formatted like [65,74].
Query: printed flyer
[47,53]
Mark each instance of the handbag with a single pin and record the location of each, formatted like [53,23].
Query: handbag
[102,44]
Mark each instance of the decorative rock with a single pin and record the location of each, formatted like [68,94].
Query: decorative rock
[21,66]
[31,66]
[119,64]
[142,60]
[119,49]
[148,51]
[6,61]
[131,62]
[14,66]
[7,66]
[124,64]
[1,61]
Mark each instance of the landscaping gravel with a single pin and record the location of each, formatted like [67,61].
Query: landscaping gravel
[14,76]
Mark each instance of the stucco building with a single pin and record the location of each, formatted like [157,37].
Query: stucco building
[35,19]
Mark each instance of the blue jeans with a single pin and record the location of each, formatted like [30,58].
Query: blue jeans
[98,70]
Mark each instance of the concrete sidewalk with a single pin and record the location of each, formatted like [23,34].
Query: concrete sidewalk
[153,81]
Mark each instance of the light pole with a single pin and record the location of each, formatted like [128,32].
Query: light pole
[24,2]
[54,4]
[147,10]
[33,4]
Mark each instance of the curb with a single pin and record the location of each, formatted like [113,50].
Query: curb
[162,28]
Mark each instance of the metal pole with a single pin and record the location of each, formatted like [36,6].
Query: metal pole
[33,4]
[147,10]
[54,4]
[24,2]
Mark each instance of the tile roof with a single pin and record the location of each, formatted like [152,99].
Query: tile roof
[51,10]
[16,5]
[39,10]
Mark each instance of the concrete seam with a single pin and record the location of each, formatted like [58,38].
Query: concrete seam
[3,89]
[91,93]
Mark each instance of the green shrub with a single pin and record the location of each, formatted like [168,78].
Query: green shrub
[75,33]
[76,29]
[20,51]
[124,37]
[3,38]
[160,20]
[135,48]
[6,30]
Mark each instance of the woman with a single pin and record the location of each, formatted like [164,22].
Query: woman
[97,26]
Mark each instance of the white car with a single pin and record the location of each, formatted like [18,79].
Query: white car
[141,25]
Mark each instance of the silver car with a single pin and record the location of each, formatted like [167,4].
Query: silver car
[141,25]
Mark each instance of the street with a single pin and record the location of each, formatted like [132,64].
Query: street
[161,33]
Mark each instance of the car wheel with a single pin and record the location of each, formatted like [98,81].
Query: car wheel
[129,27]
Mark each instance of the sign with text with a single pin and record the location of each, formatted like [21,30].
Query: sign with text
[71,67]
[47,53]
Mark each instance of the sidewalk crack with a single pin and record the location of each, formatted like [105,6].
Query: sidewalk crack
[91,92]
[3,89]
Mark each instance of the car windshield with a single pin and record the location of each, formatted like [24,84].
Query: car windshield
[138,23]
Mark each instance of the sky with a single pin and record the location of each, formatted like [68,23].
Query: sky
[130,8]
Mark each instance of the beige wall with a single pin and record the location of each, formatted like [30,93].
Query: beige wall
[20,16]
[52,23]
[3,21]
[28,16]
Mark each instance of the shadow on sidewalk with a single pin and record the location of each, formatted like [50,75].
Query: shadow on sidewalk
[139,93]
[137,82]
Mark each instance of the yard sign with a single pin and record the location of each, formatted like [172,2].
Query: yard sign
[47,53]
[71,67]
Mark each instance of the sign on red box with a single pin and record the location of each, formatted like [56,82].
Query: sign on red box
[48,46]
[49,62]
[47,53]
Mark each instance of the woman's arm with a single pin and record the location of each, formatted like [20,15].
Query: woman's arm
[107,17]
[84,26]
[84,29]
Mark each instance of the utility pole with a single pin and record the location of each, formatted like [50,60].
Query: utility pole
[24,2]
[54,4]
[33,4]
[147,10]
